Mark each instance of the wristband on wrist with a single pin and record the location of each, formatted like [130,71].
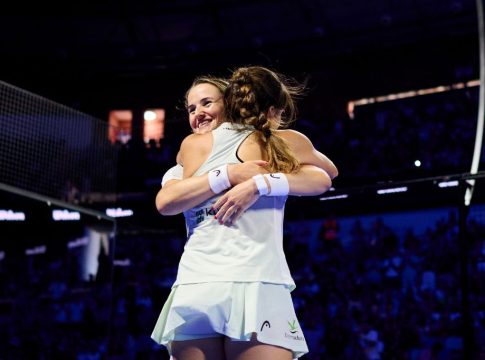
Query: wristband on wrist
[278,184]
[219,179]
[261,184]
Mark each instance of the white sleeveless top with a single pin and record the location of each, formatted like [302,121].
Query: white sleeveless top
[174,173]
[247,251]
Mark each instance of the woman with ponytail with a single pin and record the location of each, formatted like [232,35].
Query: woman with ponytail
[231,298]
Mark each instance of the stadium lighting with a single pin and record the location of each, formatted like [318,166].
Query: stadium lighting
[335,197]
[392,190]
[445,184]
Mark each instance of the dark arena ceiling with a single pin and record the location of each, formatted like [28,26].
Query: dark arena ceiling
[98,55]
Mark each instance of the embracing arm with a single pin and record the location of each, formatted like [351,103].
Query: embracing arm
[184,192]
[308,181]
[314,178]
[306,153]
[178,195]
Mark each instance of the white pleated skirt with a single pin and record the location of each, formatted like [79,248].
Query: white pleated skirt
[233,309]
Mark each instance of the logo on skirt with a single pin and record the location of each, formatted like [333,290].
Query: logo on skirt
[265,323]
[293,328]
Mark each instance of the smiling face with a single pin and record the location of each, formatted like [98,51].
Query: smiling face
[205,107]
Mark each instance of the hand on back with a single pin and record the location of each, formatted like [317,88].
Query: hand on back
[246,170]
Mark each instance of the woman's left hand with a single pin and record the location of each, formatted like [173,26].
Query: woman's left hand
[235,202]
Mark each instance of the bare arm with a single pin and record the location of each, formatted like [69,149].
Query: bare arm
[177,196]
[309,180]
[183,195]
[306,153]
[194,150]
[314,178]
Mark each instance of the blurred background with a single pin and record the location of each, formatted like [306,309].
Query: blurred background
[389,264]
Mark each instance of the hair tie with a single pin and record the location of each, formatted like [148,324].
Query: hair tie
[267,132]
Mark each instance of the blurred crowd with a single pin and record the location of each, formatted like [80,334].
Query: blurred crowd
[381,295]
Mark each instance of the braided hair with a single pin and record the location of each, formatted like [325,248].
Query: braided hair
[250,94]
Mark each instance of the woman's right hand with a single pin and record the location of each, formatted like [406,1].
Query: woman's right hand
[230,206]
[239,173]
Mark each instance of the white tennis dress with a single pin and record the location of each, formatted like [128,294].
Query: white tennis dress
[233,280]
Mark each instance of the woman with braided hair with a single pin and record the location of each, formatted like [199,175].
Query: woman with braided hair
[205,106]
[231,298]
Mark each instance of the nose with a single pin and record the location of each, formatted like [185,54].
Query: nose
[197,117]
[199,113]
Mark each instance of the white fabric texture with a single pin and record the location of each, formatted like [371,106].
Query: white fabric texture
[278,184]
[174,173]
[219,179]
[263,188]
[236,310]
[249,250]
[232,280]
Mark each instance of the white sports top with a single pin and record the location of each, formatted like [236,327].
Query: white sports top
[174,173]
[251,249]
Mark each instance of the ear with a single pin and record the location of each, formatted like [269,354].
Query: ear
[272,112]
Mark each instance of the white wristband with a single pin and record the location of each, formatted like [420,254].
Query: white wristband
[278,184]
[261,184]
[219,179]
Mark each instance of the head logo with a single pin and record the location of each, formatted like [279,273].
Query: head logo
[265,323]
[293,327]
[217,172]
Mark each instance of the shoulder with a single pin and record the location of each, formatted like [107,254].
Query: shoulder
[294,138]
[194,150]
[306,153]
[290,133]
[196,141]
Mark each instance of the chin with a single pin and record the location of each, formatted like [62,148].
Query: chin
[206,128]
